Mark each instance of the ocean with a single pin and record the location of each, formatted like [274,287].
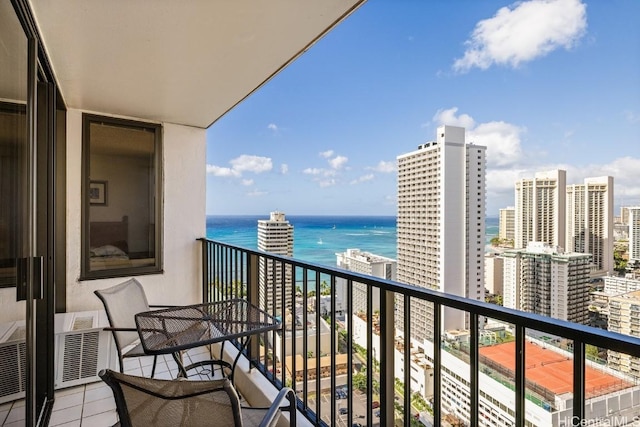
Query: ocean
[317,239]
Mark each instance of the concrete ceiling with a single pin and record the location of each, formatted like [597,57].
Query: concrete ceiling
[185,62]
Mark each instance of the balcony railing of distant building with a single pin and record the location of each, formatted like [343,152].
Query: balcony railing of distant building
[295,288]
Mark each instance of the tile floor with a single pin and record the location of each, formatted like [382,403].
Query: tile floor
[92,405]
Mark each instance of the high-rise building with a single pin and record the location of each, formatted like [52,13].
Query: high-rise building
[493,274]
[366,263]
[634,234]
[542,279]
[441,224]
[540,209]
[624,215]
[590,221]
[275,235]
[507,223]
[624,317]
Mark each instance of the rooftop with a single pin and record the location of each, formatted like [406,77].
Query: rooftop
[553,371]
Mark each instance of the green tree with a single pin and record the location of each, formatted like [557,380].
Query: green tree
[325,289]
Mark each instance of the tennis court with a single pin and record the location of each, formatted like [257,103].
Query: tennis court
[551,370]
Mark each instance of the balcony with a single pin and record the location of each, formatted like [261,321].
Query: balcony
[495,367]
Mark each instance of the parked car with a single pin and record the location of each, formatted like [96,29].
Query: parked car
[375,404]
[343,411]
[378,413]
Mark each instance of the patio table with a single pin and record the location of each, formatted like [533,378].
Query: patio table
[171,330]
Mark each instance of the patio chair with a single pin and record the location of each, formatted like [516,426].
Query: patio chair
[154,402]
[122,302]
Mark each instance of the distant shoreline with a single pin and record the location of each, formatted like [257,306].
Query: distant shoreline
[266,216]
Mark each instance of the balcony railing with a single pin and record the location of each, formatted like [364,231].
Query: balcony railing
[372,358]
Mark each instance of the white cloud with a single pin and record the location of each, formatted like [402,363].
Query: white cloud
[247,182]
[448,117]
[338,162]
[284,169]
[384,167]
[523,32]
[324,176]
[243,163]
[327,182]
[249,163]
[256,193]
[363,178]
[626,175]
[273,127]
[312,171]
[221,171]
[501,139]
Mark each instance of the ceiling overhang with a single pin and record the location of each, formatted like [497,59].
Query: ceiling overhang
[174,61]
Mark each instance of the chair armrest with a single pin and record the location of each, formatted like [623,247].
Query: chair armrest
[110,328]
[162,306]
[285,393]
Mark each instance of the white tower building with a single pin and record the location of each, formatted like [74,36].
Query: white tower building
[366,263]
[507,223]
[634,234]
[590,221]
[275,235]
[540,209]
[441,224]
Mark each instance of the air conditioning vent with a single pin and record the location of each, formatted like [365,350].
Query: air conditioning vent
[82,348]
[80,323]
[19,334]
[12,352]
[80,356]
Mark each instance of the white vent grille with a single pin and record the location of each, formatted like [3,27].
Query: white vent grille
[83,348]
[80,356]
[12,380]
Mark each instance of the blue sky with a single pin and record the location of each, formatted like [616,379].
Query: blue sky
[544,84]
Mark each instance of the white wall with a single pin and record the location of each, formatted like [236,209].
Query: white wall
[184,188]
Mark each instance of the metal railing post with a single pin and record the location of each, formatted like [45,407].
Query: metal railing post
[253,296]
[387,357]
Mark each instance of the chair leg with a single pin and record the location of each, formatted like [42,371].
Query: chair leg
[153,369]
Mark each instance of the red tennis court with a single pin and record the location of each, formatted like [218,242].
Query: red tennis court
[551,370]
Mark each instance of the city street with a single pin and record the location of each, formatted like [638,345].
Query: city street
[359,410]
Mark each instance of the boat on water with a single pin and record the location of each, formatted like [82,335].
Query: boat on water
[320,241]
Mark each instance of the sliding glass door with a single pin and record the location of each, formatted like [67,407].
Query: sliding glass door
[26,311]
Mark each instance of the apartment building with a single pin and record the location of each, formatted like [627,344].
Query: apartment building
[365,263]
[634,234]
[549,401]
[275,235]
[493,274]
[441,223]
[624,317]
[542,279]
[589,220]
[540,209]
[507,223]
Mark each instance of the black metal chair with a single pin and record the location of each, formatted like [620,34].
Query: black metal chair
[154,402]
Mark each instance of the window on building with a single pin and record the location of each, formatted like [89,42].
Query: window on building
[121,184]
